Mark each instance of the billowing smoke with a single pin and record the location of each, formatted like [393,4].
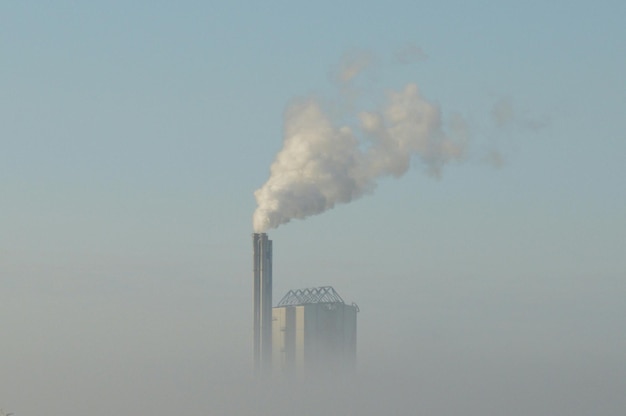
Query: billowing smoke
[323,164]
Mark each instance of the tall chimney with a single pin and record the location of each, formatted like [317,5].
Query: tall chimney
[262,266]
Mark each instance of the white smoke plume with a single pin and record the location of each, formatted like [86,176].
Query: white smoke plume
[323,164]
[351,65]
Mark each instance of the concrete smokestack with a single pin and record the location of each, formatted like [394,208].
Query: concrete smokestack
[262,267]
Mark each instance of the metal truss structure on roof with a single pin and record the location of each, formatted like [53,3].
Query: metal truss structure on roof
[324,294]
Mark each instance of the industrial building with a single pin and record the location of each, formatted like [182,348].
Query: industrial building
[314,331]
[310,331]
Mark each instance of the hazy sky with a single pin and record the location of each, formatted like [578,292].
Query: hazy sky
[134,134]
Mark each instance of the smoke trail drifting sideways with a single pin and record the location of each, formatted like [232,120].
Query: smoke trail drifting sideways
[322,164]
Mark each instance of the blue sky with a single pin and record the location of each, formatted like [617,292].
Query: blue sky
[132,138]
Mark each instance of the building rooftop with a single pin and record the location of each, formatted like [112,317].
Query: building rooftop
[324,294]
